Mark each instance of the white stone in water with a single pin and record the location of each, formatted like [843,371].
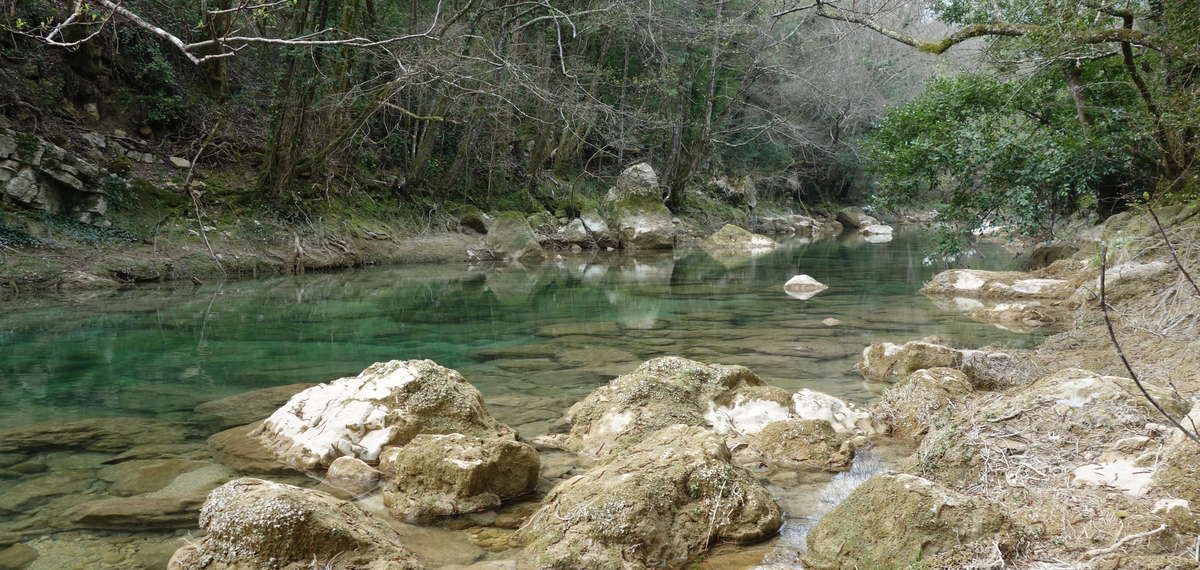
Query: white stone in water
[1122,474]
[842,415]
[745,416]
[878,229]
[969,281]
[877,238]
[803,287]
[967,304]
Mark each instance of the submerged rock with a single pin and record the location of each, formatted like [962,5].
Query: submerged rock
[99,434]
[253,523]
[894,520]
[249,407]
[803,287]
[387,404]
[352,475]
[510,237]
[658,505]
[441,475]
[643,222]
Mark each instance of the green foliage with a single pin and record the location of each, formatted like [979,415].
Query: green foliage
[999,152]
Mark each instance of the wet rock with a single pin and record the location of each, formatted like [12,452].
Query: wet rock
[895,519]
[878,230]
[440,475]
[803,287]
[638,180]
[159,451]
[100,434]
[734,239]
[643,222]
[236,449]
[387,404]
[656,506]
[17,556]
[511,237]
[249,407]
[659,393]
[796,446]
[854,217]
[888,362]
[842,416]
[253,523]
[911,407]
[997,285]
[33,492]
[353,475]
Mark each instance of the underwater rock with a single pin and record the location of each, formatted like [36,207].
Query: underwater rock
[643,222]
[895,519]
[441,475]
[236,449]
[98,434]
[803,287]
[249,407]
[510,237]
[387,404]
[253,523]
[658,505]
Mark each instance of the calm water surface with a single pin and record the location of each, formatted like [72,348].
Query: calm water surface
[555,330]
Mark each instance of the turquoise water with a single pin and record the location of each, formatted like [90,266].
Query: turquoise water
[556,330]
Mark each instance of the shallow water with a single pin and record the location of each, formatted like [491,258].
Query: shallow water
[533,340]
[558,330]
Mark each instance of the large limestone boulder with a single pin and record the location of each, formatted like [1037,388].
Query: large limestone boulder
[387,404]
[797,224]
[659,393]
[99,434]
[576,233]
[251,523]
[638,180]
[643,222]
[796,445]
[510,237]
[997,285]
[894,520]
[440,475]
[597,228]
[911,407]
[658,505]
[803,287]
[734,239]
[854,217]
[889,362]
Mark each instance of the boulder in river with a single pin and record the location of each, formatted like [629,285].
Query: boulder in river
[441,475]
[893,520]
[658,505]
[911,406]
[803,287]
[888,362]
[251,523]
[510,237]
[387,404]
[734,239]
[797,445]
[997,285]
[854,217]
[353,475]
[643,222]
[597,229]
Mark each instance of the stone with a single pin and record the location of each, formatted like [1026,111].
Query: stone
[511,238]
[831,322]
[796,445]
[896,520]
[658,505]
[352,475]
[1078,388]
[596,227]
[32,492]
[797,224]
[249,407]
[17,556]
[738,192]
[180,162]
[1124,474]
[576,233]
[638,180]
[441,475]
[387,404]
[236,449]
[643,222]
[803,287]
[877,229]
[888,362]
[854,217]
[145,476]
[842,416]
[136,513]
[997,285]
[1015,316]
[734,239]
[910,407]
[99,434]
[92,111]
[251,523]
[38,174]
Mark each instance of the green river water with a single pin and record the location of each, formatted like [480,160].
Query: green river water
[533,339]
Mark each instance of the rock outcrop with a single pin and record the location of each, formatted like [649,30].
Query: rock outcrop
[440,475]
[38,174]
[889,362]
[893,520]
[657,505]
[510,237]
[387,404]
[854,218]
[796,445]
[251,523]
[731,239]
[643,222]
[997,285]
